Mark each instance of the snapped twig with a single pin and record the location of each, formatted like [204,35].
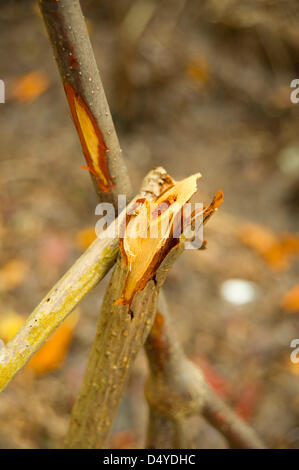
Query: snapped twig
[121,332]
[87,271]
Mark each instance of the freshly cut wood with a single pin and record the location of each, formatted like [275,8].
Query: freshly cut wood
[152,230]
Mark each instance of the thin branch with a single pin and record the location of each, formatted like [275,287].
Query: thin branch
[88,270]
[176,387]
[234,429]
[86,97]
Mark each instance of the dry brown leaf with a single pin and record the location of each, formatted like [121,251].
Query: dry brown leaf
[30,86]
[13,273]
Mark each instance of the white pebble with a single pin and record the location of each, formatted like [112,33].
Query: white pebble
[238,291]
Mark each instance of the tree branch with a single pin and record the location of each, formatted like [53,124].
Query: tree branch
[86,97]
[176,388]
[91,114]
[121,332]
[88,270]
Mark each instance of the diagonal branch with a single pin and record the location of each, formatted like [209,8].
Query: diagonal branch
[86,97]
[176,389]
[88,270]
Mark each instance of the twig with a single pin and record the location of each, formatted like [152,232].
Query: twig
[176,388]
[88,270]
[84,90]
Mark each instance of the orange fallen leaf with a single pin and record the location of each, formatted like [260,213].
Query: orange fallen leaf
[30,86]
[275,249]
[85,237]
[290,243]
[290,301]
[13,273]
[10,323]
[51,355]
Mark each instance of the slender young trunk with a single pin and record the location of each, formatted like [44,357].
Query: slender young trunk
[121,332]
[86,97]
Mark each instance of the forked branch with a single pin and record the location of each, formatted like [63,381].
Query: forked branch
[176,389]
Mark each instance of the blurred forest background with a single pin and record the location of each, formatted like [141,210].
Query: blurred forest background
[193,86]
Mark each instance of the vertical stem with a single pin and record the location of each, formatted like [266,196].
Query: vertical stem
[121,332]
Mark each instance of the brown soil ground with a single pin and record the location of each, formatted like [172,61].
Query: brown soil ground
[203,88]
